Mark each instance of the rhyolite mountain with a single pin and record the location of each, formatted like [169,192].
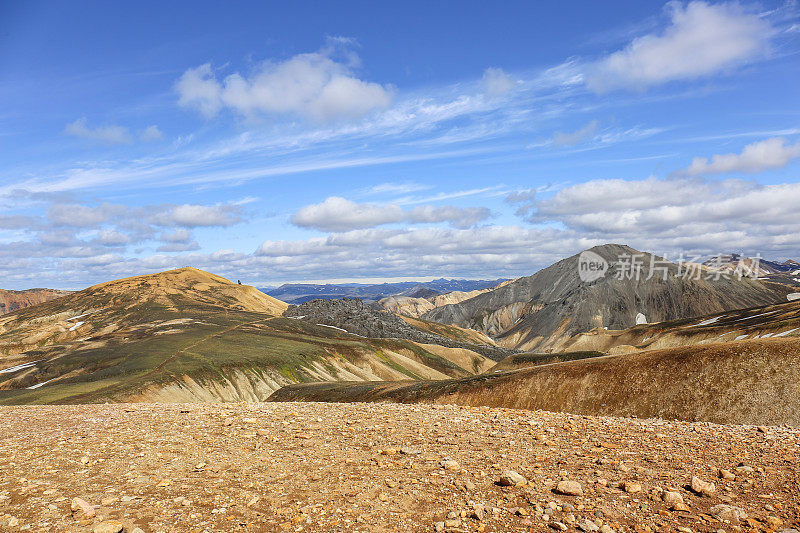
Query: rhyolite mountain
[542,311]
[740,366]
[188,335]
[11,301]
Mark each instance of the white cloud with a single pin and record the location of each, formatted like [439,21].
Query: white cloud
[105,134]
[585,133]
[756,157]
[702,39]
[179,247]
[314,86]
[179,235]
[194,216]
[496,82]
[112,238]
[83,216]
[685,213]
[151,134]
[459,217]
[338,214]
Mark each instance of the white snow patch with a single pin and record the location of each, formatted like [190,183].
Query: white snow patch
[40,384]
[708,321]
[641,319]
[340,329]
[78,316]
[756,316]
[794,296]
[740,337]
[17,368]
[76,325]
[784,333]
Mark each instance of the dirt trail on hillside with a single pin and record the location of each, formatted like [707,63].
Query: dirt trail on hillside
[385,467]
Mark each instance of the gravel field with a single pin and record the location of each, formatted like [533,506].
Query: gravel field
[386,467]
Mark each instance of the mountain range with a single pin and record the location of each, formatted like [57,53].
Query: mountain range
[690,341]
[297,293]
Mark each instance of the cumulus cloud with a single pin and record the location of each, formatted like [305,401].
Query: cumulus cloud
[523,199]
[181,235]
[679,213]
[338,214]
[702,39]
[759,156]
[314,86]
[585,133]
[83,216]
[459,217]
[195,216]
[496,82]
[178,247]
[112,238]
[104,134]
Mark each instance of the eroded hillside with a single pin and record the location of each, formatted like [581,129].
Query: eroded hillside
[187,335]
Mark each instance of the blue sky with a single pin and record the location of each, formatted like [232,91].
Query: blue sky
[361,141]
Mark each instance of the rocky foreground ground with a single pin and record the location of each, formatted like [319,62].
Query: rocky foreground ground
[386,467]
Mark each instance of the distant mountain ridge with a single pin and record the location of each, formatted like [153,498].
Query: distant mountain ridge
[297,293]
[541,312]
[11,301]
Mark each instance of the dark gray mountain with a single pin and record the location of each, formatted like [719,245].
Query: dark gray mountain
[542,311]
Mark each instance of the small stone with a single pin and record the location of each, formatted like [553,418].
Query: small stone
[773,521]
[449,464]
[630,487]
[588,526]
[605,528]
[137,530]
[674,500]
[569,488]
[683,529]
[109,501]
[558,526]
[111,526]
[410,451]
[726,474]
[728,512]
[510,478]
[762,429]
[82,506]
[704,488]
[13,521]
[478,512]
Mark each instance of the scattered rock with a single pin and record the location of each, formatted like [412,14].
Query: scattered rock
[81,506]
[727,474]
[449,464]
[728,512]
[703,488]
[558,526]
[111,526]
[510,478]
[569,488]
[674,500]
[630,487]
[587,526]
[410,451]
